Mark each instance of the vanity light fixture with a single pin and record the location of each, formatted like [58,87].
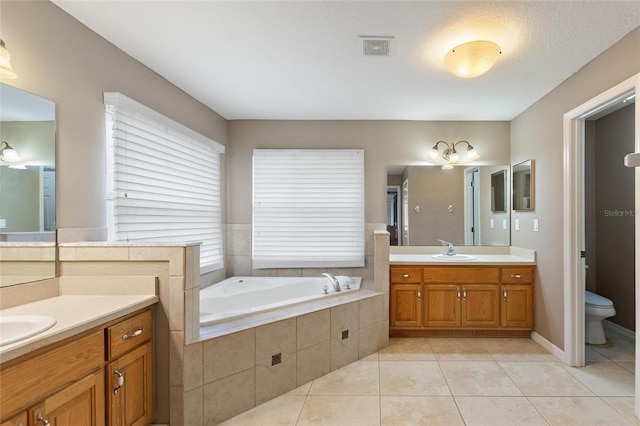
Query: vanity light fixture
[450,155]
[6,71]
[8,154]
[472,59]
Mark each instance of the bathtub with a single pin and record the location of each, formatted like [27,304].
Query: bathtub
[237,297]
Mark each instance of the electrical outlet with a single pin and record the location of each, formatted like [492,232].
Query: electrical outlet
[491,223]
[504,224]
[535,225]
[3,223]
[517,223]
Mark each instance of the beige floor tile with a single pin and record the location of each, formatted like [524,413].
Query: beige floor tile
[417,378]
[590,355]
[623,405]
[358,378]
[300,390]
[419,410]
[544,379]
[628,365]
[498,410]
[407,349]
[479,378]
[616,350]
[605,379]
[453,349]
[372,357]
[340,410]
[582,410]
[515,349]
[281,411]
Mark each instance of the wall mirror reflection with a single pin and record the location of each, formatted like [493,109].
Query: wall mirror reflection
[523,186]
[499,191]
[427,203]
[27,186]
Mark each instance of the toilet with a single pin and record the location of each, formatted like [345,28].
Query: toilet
[596,309]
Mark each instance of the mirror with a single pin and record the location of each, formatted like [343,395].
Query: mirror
[499,191]
[523,186]
[27,187]
[427,203]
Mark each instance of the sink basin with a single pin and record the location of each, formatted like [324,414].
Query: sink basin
[14,328]
[454,258]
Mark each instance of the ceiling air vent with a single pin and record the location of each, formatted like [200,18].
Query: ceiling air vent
[376,46]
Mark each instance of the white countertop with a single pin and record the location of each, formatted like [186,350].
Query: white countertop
[481,259]
[74,314]
[416,255]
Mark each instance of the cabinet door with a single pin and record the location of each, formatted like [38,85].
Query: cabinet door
[442,305]
[406,305]
[80,404]
[517,306]
[17,420]
[130,388]
[480,305]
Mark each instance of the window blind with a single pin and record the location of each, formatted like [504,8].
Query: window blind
[308,208]
[163,181]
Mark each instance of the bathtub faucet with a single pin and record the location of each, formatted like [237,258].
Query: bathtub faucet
[334,280]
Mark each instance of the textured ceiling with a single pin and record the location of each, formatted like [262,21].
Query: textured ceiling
[303,60]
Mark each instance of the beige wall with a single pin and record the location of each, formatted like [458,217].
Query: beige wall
[384,143]
[58,58]
[537,134]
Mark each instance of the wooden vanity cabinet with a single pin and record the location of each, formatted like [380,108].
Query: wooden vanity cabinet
[516,293]
[483,300]
[462,297]
[130,372]
[405,299]
[64,384]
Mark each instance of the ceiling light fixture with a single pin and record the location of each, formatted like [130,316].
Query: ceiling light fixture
[8,154]
[472,59]
[450,155]
[6,71]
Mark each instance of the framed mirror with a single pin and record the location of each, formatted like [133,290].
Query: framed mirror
[523,186]
[499,191]
[27,187]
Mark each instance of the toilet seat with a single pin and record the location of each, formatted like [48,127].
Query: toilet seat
[596,301]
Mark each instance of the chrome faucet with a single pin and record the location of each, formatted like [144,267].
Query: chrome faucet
[334,280]
[450,250]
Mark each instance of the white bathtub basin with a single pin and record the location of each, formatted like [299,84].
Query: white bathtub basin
[454,258]
[14,328]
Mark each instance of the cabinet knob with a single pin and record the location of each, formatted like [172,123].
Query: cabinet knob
[41,419]
[406,275]
[132,335]
[516,276]
[119,380]
[418,294]
[504,294]
[458,294]
[464,294]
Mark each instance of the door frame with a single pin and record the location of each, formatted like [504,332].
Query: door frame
[573,181]
[472,206]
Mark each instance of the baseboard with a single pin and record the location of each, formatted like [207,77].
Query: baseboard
[555,351]
[625,332]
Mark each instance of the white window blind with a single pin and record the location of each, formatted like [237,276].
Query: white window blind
[163,182]
[308,208]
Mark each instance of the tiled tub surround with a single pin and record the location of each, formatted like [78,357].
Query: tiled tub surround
[232,373]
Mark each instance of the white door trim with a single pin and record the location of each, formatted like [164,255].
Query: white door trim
[573,144]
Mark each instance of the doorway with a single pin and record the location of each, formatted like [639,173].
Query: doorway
[471,207]
[574,220]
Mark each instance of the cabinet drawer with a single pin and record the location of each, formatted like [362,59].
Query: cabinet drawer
[30,381]
[128,334]
[406,275]
[521,275]
[461,275]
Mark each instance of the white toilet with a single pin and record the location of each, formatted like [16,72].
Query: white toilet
[596,308]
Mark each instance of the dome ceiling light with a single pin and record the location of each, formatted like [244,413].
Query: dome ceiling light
[472,59]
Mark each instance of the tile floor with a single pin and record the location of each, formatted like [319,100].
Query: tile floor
[463,381]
